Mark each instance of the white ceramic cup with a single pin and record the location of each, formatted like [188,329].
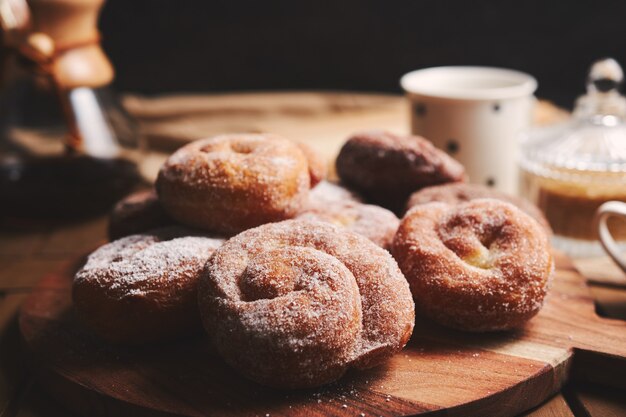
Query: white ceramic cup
[606,210]
[476,114]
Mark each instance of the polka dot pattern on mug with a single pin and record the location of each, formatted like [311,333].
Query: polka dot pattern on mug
[452,146]
[420,109]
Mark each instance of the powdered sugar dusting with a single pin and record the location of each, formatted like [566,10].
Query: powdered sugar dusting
[456,193]
[374,222]
[383,165]
[328,192]
[228,183]
[138,264]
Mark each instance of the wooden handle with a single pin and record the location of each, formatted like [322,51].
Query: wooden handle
[598,343]
[600,354]
[72,25]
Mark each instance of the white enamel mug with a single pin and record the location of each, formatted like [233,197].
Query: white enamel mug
[476,114]
[606,210]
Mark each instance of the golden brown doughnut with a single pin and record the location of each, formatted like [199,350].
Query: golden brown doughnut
[138,212]
[317,165]
[230,183]
[295,304]
[461,192]
[328,192]
[386,168]
[375,223]
[480,266]
[143,288]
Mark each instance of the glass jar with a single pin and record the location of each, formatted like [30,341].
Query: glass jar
[571,169]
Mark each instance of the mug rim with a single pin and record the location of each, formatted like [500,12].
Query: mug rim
[454,82]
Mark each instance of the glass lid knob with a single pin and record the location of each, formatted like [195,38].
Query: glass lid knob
[603,104]
[605,75]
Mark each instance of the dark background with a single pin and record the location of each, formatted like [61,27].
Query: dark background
[162,46]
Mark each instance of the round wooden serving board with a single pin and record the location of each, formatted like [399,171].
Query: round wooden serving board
[441,371]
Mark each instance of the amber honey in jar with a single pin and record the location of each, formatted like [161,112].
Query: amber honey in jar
[571,169]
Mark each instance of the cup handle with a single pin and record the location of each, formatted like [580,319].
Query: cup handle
[606,210]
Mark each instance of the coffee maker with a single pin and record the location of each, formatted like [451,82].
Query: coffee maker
[67,146]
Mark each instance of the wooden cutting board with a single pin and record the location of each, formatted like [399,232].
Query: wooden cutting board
[442,371]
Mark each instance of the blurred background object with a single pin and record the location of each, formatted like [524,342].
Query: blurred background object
[475,114]
[365,45]
[67,147]
[570,170]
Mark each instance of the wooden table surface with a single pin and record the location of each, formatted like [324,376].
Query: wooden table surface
[30,249]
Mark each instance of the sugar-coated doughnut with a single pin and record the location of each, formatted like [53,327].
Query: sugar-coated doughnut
[375,223]
[143,288]
[295,304]
[456,193]
[230,183]
[386,168]
[328,192]
[317,165]
[479,266]
[138,212]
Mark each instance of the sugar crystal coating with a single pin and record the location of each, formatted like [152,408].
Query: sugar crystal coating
[456,193]
[480,266]
[328,192]
[295,304]
[229,183]
[143,287]
[387,168]
[375,223]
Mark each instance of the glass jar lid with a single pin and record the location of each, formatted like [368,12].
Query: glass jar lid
[594,139]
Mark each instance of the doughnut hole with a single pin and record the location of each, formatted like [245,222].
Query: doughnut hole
[242,147]
[343,220]
[472,237]
[480,258]
[207,149]
[266,279]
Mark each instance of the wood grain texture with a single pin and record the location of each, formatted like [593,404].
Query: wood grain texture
[497,374]
[323,120]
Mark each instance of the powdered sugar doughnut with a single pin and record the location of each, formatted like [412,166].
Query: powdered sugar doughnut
[317,165]
[456,193]
[386,168]
[138,212]
[143,288]
[375,223]
[230,183]
[478,266]
[328,192]
[295,304]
